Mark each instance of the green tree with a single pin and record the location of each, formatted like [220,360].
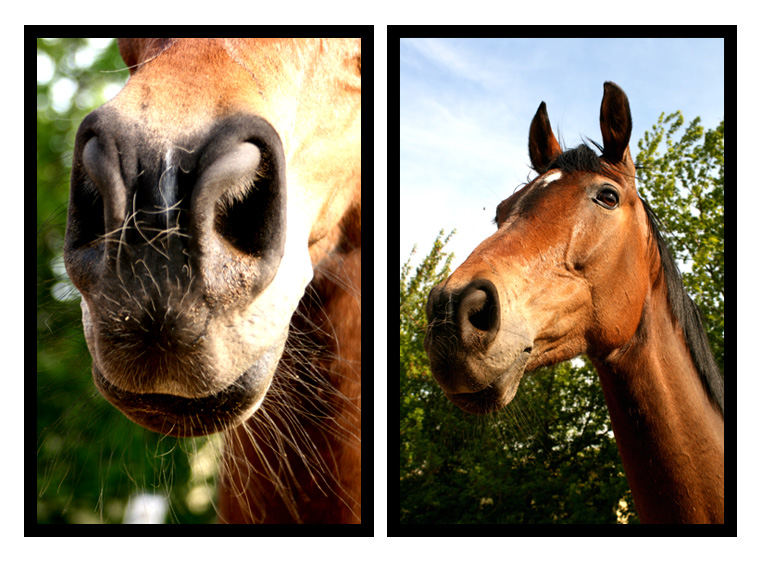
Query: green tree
[550,456]
[90,458]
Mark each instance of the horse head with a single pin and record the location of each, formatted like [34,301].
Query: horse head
[546,286]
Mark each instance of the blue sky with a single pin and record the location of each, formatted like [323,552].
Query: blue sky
[466,106]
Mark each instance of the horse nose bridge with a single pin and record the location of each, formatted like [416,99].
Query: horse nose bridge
[129,169]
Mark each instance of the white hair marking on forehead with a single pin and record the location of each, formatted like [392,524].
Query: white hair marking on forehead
[538,183]
[548,178]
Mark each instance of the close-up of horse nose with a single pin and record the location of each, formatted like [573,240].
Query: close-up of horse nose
[177,231]
[212,206]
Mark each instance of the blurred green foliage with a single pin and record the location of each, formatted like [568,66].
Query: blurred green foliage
[90,458]
[550,456]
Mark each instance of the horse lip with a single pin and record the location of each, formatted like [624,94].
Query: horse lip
[498,393]
[189,417]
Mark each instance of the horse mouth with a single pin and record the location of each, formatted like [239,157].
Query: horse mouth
[179,416]
[495,395]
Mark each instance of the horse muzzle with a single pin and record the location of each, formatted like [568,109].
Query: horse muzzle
[178,248]
[477,352]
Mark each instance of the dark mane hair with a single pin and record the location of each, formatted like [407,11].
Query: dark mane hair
[580,158]
[687,315]
[683,308]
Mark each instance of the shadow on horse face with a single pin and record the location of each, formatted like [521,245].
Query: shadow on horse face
[203,198]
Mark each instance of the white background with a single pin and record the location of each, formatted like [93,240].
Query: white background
[380,550]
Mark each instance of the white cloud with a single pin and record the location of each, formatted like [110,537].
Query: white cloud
[453,59]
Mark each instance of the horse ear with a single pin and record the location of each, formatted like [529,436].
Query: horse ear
[129,53]
[616,123]
[543,147]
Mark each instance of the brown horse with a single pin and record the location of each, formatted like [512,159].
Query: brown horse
[214,231]
[577,265]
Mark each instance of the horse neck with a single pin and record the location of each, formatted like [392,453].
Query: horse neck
[668,431]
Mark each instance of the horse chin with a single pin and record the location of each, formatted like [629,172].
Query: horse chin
[180,416]
[497,394]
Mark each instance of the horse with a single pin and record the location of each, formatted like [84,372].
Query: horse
[578,265]
[214,233]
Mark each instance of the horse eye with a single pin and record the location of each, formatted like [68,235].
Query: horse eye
[607,198]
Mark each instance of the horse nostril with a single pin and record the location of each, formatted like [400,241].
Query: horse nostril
[238,208]
[478,312]
[480,315]
[244,198]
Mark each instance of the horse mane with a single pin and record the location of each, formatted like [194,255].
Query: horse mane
[682,307]
[687,315]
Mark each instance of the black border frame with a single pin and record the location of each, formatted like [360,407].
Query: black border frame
[366,527]
[729,35]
